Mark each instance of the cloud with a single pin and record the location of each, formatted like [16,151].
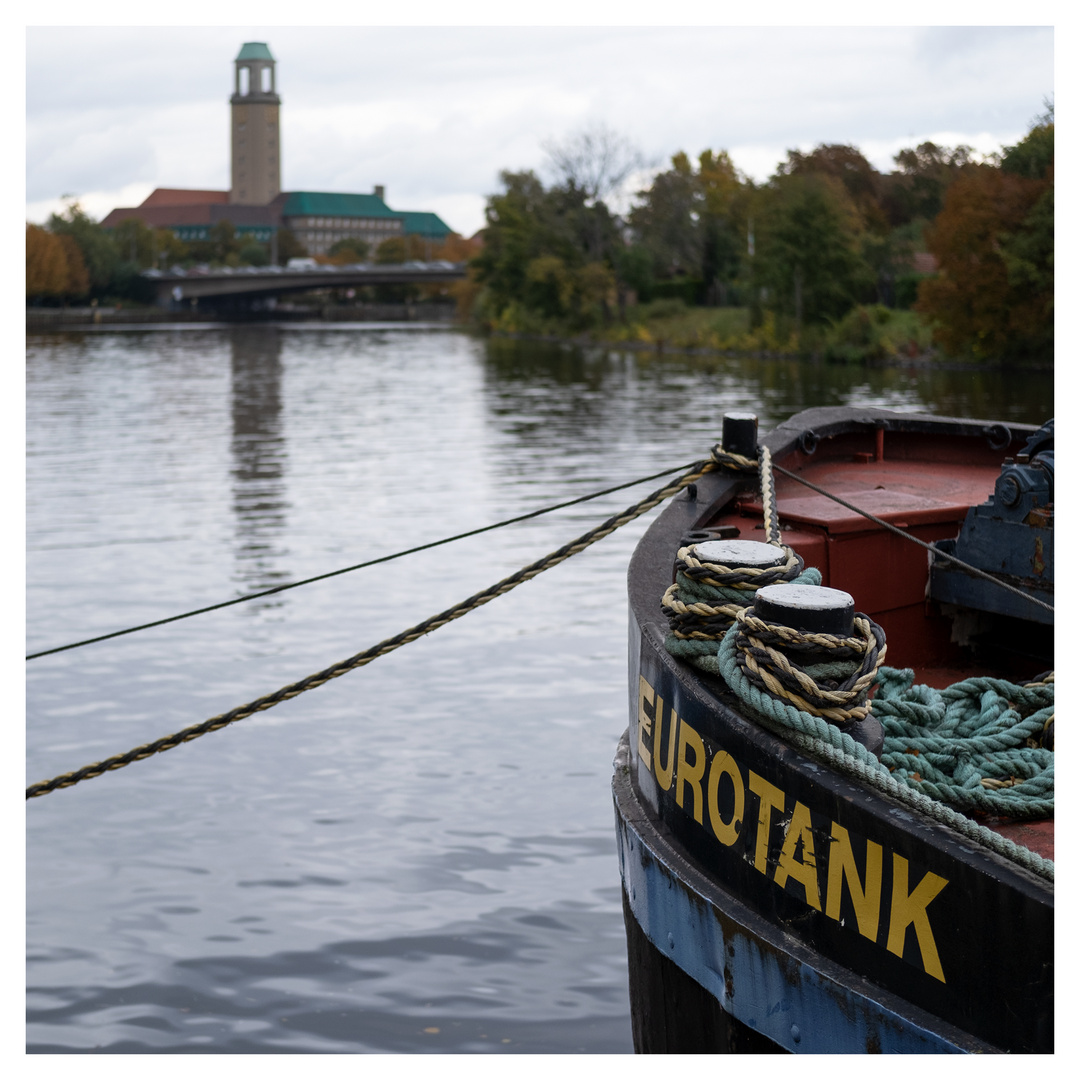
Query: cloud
[434,113]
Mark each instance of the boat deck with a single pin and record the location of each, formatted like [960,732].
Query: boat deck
[921,486]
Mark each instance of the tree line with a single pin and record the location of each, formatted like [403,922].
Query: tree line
[827,233]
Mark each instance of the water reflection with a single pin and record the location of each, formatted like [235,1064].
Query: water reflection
[534,384]
[260,455]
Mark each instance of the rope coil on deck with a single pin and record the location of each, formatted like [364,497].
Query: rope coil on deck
[820,739]
[977,744]
[706,597]
[835,689]
[981,746]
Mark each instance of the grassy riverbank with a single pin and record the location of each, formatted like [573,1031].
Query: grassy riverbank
[866,334]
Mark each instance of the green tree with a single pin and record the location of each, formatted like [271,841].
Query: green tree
[524,223]
[253,254]
[288,246]
[99,251]
[693,222]
[137,243]
[808,259]
[1033,156]
[397,249]
[350,250]
[666,217]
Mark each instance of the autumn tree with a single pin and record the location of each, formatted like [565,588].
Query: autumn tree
[915,189]
[860,179]
[54,266]
[993,294]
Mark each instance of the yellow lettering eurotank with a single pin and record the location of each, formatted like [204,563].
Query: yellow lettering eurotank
[687,775]
[666,754]
[645,694]
[803,870]
[770,798]
[865,893]
[723,764]
[664,771]
[909,909]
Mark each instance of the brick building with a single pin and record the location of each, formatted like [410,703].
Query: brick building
[255,204]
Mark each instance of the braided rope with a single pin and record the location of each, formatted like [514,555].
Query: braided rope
[768,497]
[706,597]
[750,578]
[819,739]
[838,699]
[527,573]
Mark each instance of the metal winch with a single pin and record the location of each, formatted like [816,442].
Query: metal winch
[1011,536]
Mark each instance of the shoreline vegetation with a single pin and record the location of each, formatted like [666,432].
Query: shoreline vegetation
[949,255]
[949,258]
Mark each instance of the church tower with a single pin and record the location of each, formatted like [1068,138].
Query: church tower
[256,128]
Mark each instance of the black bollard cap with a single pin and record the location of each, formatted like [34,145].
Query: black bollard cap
[812,609]
[740,434]
[740,553]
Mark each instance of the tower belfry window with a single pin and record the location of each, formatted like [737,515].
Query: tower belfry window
[244,75]
[265,80]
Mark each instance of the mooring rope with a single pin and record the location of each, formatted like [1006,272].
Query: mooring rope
[980,746]
[358,566]
[835,688]
[718,459]
[705,597]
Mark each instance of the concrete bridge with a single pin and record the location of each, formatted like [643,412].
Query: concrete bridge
[249,286]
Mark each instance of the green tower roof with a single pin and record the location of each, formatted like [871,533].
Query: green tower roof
[254,50]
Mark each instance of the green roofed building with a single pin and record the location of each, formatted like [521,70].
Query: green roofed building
[255,203]
[319,219]
[425,224]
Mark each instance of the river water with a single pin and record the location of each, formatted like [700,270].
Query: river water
[418,856]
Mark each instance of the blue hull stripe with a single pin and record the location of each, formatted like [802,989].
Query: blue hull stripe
[762,977]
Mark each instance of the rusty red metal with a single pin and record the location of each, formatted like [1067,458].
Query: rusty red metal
[927,493]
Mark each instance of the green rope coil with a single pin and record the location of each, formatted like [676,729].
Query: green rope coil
[914,712]
[975,745]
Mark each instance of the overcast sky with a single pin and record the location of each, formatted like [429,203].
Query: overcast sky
[434,113]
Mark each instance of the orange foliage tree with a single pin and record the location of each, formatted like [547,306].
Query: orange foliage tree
[54,266]
[993,294]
